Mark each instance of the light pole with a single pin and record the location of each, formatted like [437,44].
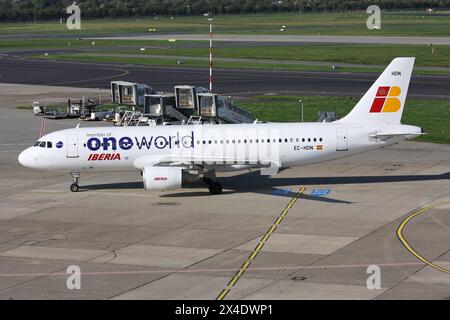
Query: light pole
[301,102]
[210,19]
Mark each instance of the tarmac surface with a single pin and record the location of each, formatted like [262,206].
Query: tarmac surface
[226,81]
[186,244]
[277,38]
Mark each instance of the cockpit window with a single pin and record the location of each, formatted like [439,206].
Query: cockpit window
[42,144]
[49,144]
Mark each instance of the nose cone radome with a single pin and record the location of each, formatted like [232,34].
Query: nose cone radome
[25,158]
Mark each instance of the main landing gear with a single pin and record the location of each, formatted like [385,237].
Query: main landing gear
[74,186]
[214,186]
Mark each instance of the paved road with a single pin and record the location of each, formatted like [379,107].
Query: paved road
[266,39]
[227,81]
[290,38]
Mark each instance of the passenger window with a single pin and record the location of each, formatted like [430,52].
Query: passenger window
[298,140]
[320,139]
[286,140]
[303,139]
[49,144]
[309,139]
[315,139]
[279,140]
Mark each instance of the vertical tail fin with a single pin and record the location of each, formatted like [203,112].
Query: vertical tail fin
[385,100]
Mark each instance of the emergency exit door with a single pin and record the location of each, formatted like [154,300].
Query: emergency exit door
[342,139]
[72,146]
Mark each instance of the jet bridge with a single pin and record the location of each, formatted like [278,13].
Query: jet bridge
[186,97]
[129,93]
[212,105]
[162,107]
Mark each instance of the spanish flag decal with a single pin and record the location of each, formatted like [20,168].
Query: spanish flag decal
[386,100]
[319,147]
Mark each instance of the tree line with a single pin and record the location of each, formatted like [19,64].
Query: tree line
[26,10]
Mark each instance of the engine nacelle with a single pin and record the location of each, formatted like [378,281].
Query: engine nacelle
[162,178]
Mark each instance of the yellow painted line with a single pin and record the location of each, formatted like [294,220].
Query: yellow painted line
[406,243]
[259,246]
[123,73]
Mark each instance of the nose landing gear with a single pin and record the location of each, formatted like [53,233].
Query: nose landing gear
[74,186]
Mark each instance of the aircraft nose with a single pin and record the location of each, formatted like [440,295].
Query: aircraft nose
[25,158]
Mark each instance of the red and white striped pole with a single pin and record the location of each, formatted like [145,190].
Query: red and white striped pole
[210,52]
[42,131]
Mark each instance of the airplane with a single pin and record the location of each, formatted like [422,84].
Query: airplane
[171,156]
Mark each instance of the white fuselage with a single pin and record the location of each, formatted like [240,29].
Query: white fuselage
[222,147]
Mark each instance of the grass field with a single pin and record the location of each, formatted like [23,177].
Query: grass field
[245,64]
[393,24]
[350,53]
[431,115]
[217,64]
[280,57]
[358,54]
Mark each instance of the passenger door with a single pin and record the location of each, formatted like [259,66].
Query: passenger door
[342,139]
[72,146]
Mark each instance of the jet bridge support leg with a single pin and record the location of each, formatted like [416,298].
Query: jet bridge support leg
[210,180]
[76,177]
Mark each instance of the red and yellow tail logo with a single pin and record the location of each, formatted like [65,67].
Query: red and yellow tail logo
[385,100]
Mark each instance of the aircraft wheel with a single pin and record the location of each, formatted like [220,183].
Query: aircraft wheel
[215,188]
[74,187]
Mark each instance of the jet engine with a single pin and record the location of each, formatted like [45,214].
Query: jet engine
[162,178]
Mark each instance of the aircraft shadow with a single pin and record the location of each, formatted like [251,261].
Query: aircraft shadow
[257,183]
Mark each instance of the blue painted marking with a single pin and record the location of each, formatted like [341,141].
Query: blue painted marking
[320,192]
[59,144]
[281,192]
